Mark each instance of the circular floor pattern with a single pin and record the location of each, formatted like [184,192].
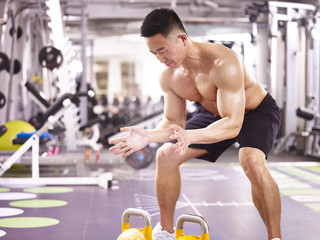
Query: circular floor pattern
[49,190]
[4,190]
[2,233]
[7,212]
[27,222]
[38,203]
[16,196]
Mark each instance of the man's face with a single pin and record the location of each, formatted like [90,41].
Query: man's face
[167,50]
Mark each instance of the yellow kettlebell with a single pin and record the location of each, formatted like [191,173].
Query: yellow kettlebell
[194,219]
[136,233]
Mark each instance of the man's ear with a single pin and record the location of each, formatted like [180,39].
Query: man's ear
[183,37]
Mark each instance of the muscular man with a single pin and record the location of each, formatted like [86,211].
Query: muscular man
[234,108]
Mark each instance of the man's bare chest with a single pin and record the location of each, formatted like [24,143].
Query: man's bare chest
[199,88]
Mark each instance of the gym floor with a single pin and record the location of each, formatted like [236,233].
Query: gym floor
[219,192]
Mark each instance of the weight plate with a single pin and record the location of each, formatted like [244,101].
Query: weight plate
[50,57]
[16,68]
[2,100]
[19,32]
[4,61]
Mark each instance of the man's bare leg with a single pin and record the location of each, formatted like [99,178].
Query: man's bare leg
[168,181]
[265,191]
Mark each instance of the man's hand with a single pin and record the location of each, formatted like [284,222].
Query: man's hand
[135,140]
[183,138]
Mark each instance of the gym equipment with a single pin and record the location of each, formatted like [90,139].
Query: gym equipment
[24,136]
[4,61]
[50,57]
[36,94]
[16,67]
[53,114]
[2,100]
[142,158]
[3,130]
[309,137]
[193,219]
[89,133]
[136,233]
[291,83]
[19,32]
[14,128]
[39,119]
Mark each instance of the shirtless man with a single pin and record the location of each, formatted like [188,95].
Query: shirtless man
[235,108]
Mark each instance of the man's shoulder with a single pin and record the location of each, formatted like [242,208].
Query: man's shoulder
[167,72]
[212,47]
[217,54]
[166,77]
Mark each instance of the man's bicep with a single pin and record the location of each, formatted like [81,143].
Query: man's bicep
[174,108]
[174,105]
[231,90]
[231,103]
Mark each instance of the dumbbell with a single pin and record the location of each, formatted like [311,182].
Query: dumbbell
[136,233]
[193,219]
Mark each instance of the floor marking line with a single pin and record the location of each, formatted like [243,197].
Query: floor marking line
[292,164]
[85,227]
[190,204]
[306,175]
[313,169]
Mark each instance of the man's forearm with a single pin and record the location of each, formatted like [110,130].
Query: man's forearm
[218,131]
[163,131]
[159,134]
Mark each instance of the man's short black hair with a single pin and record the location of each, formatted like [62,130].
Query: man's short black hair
[163,21]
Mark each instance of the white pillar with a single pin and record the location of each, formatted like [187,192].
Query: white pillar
[114,78]
[291,77]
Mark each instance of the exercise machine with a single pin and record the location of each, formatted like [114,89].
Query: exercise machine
[52,115]
[88,134]
[306,141]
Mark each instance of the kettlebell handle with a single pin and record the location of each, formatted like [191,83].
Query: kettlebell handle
[194,219]
[136,212]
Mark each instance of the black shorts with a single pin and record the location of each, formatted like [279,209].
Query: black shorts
[259,129]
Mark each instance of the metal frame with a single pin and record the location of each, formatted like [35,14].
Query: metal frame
[104,180]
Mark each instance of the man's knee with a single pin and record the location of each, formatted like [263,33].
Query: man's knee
[253,163]
[166,158]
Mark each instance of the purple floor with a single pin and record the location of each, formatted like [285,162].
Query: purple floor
[219,192]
